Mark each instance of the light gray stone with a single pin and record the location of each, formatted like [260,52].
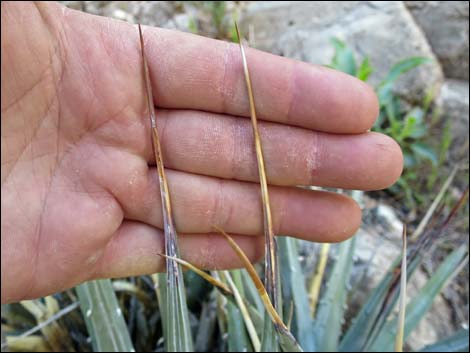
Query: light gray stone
[436,324]
[150,13]
[453,103]
[383,31]
[445,24]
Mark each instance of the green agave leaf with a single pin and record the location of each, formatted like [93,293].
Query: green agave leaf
[421,303]
[294,291]
[206,327]
[103,317]
[329,318]
[174,312]
[287,341]
[251,292]
[372,316]
[455,343]
[238,339]
[269,341]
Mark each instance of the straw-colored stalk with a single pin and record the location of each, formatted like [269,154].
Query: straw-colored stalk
[255,278]
[271,263]
[424,222]
[212,280]
[402,300]
[314,292]
[178,333]
[169,228]
[255,341]
[286,340]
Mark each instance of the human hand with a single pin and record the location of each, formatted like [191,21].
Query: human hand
[80,194]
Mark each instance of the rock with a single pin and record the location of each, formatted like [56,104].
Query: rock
[118,13]
[150,13]
[453,103]
[448,39]
[76,5]
[387,215]
[436,324]
[383,31]
[181,22]
[94,7]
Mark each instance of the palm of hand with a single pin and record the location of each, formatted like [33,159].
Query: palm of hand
[80,197]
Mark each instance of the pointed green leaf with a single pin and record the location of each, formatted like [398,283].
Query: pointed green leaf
[421,303]
[238,339]
[372,315]
[455,343]
[343,59]
[365,69]
[385,87]
[424,151]
[402,67]
[103,317]
[329,318]
[294,291]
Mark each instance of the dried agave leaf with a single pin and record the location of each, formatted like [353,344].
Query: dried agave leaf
[402,300]
[287,341]
[271,271]
[178,334]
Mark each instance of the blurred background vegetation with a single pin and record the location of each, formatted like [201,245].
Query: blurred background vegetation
[339,297]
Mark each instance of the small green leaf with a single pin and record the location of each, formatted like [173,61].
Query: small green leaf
[407,130]
[365,69]
[192,25]
[402,67]
[343,59]
[384,89]
[409,159]
[424,151]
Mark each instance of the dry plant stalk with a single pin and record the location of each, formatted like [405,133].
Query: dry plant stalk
[214,281]
[262,291]
[271,263]
[402,301]
[178,333]
[250,327]
[169,228]
[315,286]
[287,341]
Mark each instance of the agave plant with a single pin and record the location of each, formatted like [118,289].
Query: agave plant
[236,311]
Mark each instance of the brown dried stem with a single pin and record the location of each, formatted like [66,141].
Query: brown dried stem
[169,228]
[271,271]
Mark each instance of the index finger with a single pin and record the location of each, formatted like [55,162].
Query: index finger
[192,72]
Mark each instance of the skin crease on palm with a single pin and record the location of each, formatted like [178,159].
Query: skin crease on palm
[80,195]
